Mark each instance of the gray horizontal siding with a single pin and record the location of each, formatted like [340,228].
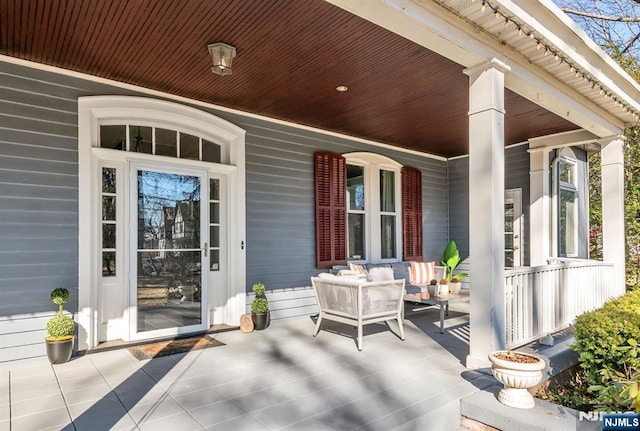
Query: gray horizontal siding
[39,214]
[516,176]
[281,249]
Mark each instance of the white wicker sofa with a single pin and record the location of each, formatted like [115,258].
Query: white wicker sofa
[358,302]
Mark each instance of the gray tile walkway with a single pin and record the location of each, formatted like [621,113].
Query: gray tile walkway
[278,379]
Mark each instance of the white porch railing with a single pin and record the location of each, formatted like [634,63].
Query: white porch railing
[545,299]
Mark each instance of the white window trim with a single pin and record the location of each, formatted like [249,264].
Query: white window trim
[573,187]
[372,164]
[94,111]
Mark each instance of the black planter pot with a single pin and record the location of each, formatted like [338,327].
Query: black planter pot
[260,320]
[59,352]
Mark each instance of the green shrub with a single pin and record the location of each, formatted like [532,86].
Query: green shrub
[60,327]
[629,302]
[258,289]
[60,296]
[259,305]
[620,390]
[599,334]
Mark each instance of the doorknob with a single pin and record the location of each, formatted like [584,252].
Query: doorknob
[515,247]
[516,236]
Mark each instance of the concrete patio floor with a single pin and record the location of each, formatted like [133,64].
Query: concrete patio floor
[279,378]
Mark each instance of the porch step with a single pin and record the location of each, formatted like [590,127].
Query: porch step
[484,408]
[486,413]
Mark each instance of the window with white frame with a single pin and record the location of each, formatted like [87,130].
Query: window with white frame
[373,204]
[567,208]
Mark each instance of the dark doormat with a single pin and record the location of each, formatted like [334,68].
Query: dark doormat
[164,348]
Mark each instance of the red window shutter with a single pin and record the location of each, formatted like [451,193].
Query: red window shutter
[331,210]
[412,214]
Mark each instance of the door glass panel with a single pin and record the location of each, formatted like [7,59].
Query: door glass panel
[215,236]
[108,236]
[508,259]
[214,223]
[214,212]
[215,260]
[108,180]
[108,263]
[169,265]
[109,208]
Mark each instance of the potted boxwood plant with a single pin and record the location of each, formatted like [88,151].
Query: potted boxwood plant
[60,330]
[450,260]
[259,307]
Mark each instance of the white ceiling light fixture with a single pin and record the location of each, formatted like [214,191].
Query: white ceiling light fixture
[223,56]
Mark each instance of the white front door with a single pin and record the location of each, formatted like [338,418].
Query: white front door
[168,243]
[513,225]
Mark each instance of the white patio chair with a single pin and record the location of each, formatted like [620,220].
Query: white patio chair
[358,303]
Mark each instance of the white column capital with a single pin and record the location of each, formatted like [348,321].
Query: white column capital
[494,63]
[486,87]
[612,151]
[610,139]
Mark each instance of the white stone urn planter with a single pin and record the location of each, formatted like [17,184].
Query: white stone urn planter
[517,372]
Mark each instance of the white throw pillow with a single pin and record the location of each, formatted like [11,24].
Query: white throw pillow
[380,274]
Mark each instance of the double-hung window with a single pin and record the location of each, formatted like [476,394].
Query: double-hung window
[567,208]
[373,202]
[368,209]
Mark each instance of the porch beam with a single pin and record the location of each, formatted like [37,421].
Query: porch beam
[486,204]
[613,239]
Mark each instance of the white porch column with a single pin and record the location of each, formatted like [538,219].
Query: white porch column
[613,239]
[540,207]
[486,209]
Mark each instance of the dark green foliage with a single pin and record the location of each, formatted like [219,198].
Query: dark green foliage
[60,326]
[259,304]
[598,334]
[609,353]
[60,296]
[258,289]
[450,260]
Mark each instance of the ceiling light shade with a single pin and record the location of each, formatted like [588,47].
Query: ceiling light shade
[222,55]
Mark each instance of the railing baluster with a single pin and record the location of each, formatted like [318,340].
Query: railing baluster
[545,299]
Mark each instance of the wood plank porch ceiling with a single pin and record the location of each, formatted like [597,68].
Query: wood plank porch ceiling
[291,57]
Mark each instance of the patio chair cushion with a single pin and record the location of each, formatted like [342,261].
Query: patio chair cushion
[422,272]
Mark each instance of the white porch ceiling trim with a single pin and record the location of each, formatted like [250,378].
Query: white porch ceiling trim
[438,28]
